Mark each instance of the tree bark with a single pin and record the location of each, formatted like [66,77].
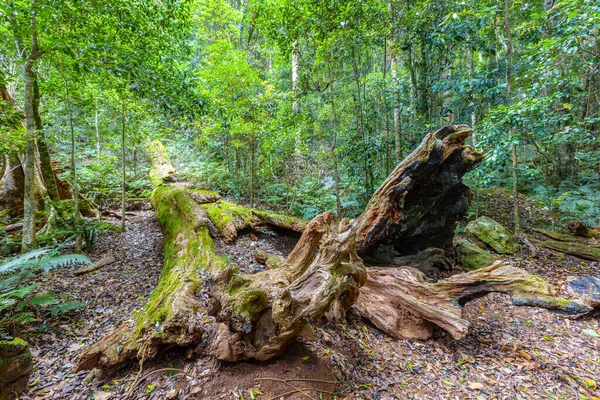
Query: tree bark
[29,200]
[123,194]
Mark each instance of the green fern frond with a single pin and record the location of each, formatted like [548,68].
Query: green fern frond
[22,261]
[48,263]
[66,306]
[44,299]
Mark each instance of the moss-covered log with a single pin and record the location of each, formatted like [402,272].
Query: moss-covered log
[402,304]
[230,219]
[418,205]
[587,249]
[172,314]
[161,168]
[578,228]
[257,315]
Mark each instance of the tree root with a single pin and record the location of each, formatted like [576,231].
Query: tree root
[402,304]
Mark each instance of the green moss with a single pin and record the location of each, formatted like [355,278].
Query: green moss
[274,261]
[11,348]
[188,250]
[205,193]
[217,215]
[472,257]
[160,164]
[250,303]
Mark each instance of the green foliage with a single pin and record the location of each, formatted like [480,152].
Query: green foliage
[19,298]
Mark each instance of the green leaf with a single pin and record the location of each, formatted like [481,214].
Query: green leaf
[591,332]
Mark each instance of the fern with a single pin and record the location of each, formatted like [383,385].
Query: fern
[41,259]
[18,300]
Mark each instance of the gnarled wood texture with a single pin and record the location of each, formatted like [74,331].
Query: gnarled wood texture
[260,314]
[402,304]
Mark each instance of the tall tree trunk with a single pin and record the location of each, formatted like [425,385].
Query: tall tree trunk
[49,180]
[385,110]
[513,148]
[361,124]
[123,196]
[397,127]
[472,94]
[76,215]
[336,173]
[29,199]
[296,91]
[252,150]
[97,128]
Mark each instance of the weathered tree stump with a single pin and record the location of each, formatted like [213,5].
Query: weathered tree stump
[419,204]
[257,316]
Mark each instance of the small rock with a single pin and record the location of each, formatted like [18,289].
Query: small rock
[472,256]
[493,234]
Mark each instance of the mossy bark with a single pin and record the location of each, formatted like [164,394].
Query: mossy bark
[230,219]
[260,314]
[16,364]
[161,168]
[587,249]
[170,316]
[257,315]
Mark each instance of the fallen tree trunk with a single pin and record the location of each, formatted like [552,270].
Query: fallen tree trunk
[161,168]
[172,314]
[402,304]
[573,245]
[96,265]
[257,316]
[230,219]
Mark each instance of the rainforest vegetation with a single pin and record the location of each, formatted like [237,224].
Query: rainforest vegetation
[197,192]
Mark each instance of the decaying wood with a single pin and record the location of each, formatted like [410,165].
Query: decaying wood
[13,227]
[230,219]
[96,265]
[259,315]
[418,205]
[172,315]
[161,168]
[425,261]
[578,228]
[587,249]
[205,196]
[402,304]
[281,221]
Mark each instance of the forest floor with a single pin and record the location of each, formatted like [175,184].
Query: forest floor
[510,353]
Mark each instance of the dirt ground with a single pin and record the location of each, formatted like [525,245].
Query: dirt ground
[510,353]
